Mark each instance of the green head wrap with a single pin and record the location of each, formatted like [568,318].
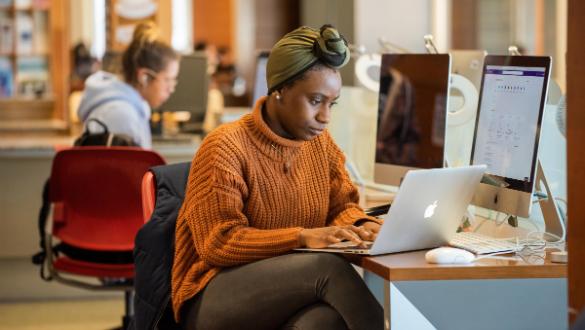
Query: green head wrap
[300,49]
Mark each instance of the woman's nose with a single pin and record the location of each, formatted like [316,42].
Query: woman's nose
[324,115]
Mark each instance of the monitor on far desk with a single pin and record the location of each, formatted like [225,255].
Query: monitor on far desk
[191,92]
[412,110]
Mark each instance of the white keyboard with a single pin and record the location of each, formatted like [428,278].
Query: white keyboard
[481,244]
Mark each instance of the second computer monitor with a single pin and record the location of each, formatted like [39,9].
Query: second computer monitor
[412,108]
[507,130]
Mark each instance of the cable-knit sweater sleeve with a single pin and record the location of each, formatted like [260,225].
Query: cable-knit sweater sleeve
[344,197]
[213,210]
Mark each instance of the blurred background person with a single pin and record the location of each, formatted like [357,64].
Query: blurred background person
[83,66]
[150,68]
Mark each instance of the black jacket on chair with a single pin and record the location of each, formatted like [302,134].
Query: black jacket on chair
[154,250]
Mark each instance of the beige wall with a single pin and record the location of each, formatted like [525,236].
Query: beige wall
[20,199]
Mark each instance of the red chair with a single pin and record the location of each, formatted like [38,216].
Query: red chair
[96,199]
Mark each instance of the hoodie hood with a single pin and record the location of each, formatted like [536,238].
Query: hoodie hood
[102,87]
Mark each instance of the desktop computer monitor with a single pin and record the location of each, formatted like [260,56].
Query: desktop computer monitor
[191,92]
[260,84]
[507,130]
[412,109]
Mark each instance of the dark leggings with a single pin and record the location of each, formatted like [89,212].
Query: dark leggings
[295,291]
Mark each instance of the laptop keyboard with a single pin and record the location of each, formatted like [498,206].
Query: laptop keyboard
[482,244]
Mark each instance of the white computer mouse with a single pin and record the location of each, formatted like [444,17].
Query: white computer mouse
[449,255]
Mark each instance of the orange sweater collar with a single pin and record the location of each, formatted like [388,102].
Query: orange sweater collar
[260,128]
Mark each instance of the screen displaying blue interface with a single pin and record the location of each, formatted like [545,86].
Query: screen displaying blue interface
[507,128]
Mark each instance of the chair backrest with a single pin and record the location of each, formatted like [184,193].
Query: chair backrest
[96,195]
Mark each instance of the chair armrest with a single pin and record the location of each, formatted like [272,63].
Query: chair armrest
[148,195]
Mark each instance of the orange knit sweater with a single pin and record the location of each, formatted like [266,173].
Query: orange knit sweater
[248,196]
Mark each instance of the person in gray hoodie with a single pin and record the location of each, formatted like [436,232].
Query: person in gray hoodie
[150,68]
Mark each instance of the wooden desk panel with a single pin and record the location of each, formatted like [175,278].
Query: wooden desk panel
[411,266]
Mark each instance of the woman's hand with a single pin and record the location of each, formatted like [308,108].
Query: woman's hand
[325,236]
[368,231]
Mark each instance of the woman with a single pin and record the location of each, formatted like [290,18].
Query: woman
[267,184]
[150,68]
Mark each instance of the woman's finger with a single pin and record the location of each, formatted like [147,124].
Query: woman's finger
[361,231]
[348,235]
[372,226]
[331,239]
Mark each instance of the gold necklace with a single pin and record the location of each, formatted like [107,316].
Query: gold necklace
[287,162]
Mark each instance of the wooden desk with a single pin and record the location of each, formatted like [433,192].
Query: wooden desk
[411,266]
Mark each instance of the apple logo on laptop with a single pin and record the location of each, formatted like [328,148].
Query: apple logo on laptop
[430,210]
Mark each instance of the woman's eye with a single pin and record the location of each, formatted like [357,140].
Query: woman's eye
[315,101]
[332,104]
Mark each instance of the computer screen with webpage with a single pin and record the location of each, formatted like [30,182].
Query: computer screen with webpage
[509,119]
[507,130]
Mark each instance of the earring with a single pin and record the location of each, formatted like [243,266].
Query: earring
[278,96]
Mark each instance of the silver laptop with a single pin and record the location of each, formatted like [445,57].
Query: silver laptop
[425,213]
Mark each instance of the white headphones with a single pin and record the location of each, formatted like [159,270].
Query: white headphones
[146,77]
[144,80]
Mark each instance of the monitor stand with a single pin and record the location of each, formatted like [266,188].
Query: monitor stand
[554,218]
[554,221]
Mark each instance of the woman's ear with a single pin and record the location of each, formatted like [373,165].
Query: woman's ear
[280,93]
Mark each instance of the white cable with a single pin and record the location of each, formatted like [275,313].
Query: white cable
[563,219]
[562,200]
[546,244]
[531,221]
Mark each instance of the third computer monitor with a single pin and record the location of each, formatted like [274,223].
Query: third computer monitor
[412,112]
[260,85]
[507,129]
